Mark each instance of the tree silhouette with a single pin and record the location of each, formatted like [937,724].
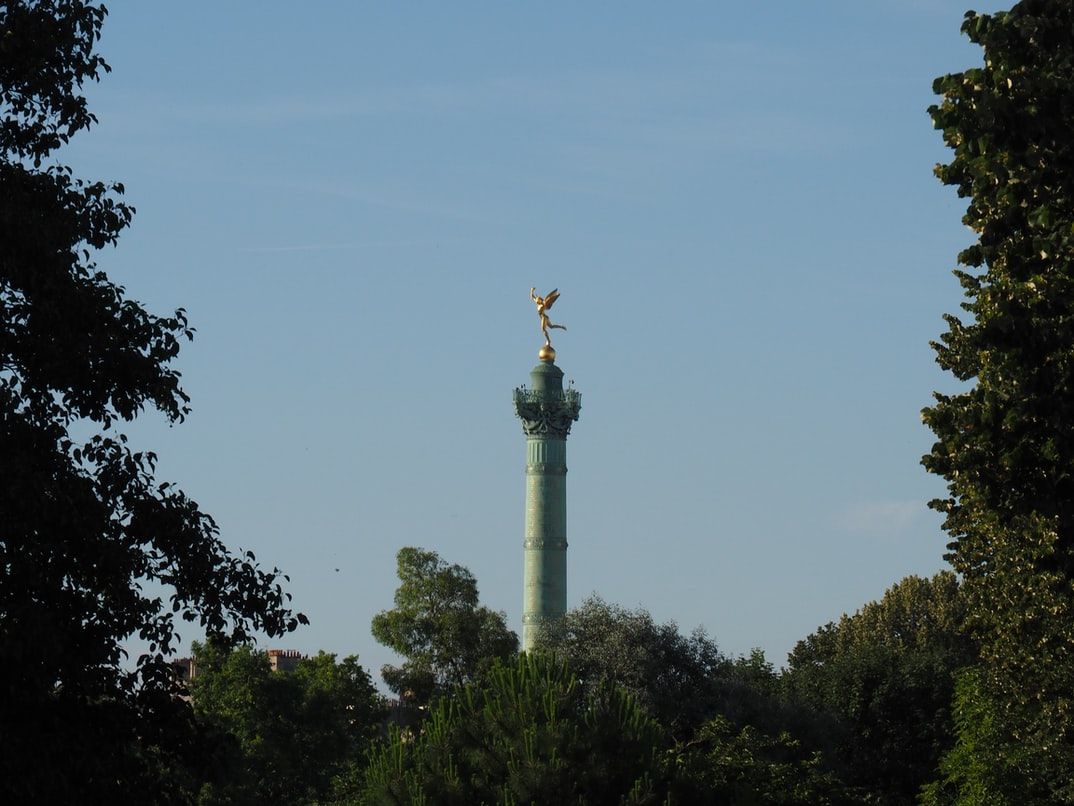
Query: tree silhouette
[93,549]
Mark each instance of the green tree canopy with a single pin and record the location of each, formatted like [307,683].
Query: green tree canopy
[282,737]
[527,732]
[744,766]
[530,732]
[887,674]
[1005,445]
[438,625]
[678,679]
[983,768]
[683,681]
[93,549]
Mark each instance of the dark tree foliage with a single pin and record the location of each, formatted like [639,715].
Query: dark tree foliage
[527,732]
[1006,445]
[531,732]
[983,768]
[746,767]
[440,627]
[679,679]
[683,681]
[282,737]
[85,529]
[885,676]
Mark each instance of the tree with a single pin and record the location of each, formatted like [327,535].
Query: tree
[886,674]
[683,681]
[746,767]
[531,732]
[1005,445]
[678,679]
[283,736]
[92,545]
[526,732]
[437,624]
[982,769]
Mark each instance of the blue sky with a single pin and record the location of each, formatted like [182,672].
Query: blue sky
[735,200]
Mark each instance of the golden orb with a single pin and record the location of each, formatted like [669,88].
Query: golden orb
[546,353]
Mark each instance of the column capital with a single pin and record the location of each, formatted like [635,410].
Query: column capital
[547,413]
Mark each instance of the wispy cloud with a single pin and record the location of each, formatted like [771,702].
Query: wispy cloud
[327,247]
[624,133]
[683,99]
[881,518]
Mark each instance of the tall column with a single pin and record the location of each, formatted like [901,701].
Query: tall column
[547,412]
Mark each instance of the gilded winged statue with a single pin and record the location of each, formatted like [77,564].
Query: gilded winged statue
[543,304]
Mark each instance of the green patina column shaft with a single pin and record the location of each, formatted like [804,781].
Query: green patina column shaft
[547,412]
